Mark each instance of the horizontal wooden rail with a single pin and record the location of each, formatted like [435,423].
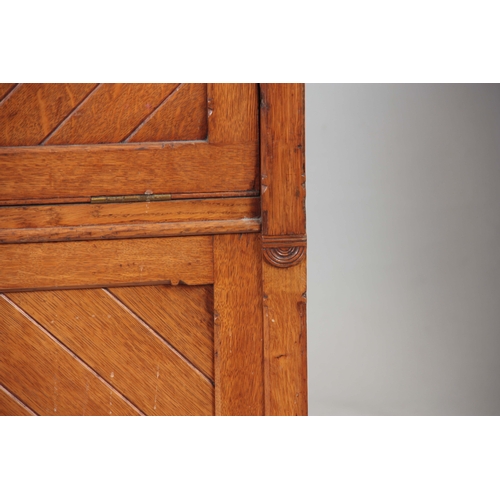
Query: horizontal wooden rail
[84,264]
[129,220]
[118,231]
[47,172]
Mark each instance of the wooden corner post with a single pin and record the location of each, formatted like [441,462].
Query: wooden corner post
[282,130]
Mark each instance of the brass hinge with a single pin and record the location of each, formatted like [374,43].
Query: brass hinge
[130,198]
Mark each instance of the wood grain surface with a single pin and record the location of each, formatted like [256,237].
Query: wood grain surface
[182,315]
[233,115]
[90,319]
[111,113]
[282,159]
[182,116]
[6,89]
[285,339]
[75,171]
[131,220]
[119,231]
[10,405]
[239,387]
[106,263]
[33,110]
[46,376]
[284,245]
[122,349]
[129,213]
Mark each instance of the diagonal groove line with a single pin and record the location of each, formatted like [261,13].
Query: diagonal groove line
[9,93]
[71,353]
[143,122]
[17,400]
[71,113]
[156,334]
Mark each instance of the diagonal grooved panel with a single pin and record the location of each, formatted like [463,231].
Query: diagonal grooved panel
[34,110]
[182,315]
[42,373]
[11,405]
[123,351]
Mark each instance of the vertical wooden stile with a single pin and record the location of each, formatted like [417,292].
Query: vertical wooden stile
[239,385]
[284,248]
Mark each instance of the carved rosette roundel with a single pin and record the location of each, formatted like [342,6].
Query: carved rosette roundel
[284,251]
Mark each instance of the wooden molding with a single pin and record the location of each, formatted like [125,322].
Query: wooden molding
[77,222]
[284,251]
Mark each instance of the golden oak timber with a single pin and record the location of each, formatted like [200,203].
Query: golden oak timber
[122,108]
[32,110]
[6,89]
[140,365]
[76,264]
[169,122]
[11,405]
[74,171]
[191,306]
[239,388]
[285,364]
[180,140]
[233,113]
[110,232]
[47,377]
[284,247]
[41,223]
[182,315]
[42,216]
[282,159]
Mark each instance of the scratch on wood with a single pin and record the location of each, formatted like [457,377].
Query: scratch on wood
[156,387]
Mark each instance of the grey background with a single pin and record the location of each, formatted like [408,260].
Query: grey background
[403,223]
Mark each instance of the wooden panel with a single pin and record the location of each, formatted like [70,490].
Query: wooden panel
[6,88]
[282,159]
[238,325]
[233,116]
[46,376]
[129,213]
[182,315]
[63,172]
[182,116]
[115,220]
[111,113]
[122,349]
[32,112]
[10,405]
[106,263]
[285,339]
